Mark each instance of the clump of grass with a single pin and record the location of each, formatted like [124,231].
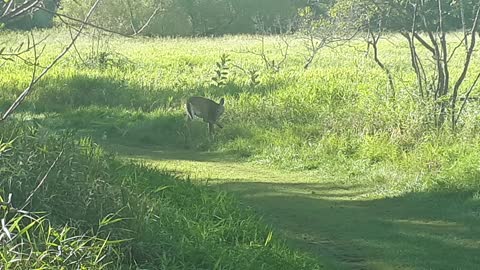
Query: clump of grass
[100,212]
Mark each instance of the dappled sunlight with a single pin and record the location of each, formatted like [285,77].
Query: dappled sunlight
[336,221]
[347,132]
[345,222]
[437,224]
[454,234]
[369,226]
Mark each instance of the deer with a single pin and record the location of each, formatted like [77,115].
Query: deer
[206,109]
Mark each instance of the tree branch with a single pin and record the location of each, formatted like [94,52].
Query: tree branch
[466,65]
[12,12]
[42,181]
[61,15]
[465,100]
[29,89]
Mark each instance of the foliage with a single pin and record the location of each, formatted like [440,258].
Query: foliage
[398,15]
[221,71]
[332,117]
[424,24]
[186,17]
[31,17]
[107,213]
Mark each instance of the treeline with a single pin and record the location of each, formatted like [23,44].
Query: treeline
[218,17]
[189,17]
[177,17]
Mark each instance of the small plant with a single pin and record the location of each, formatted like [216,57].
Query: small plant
[221,71]
[252,73]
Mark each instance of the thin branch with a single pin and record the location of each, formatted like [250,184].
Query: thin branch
[42,181]
[13,12]
[7,8]
[130,12]
[155,12]
[18,52]
[424,42]
[71,37]
[466,65]
[27,91]
[464,26]
[83,22]
[465,99]
[460,44]
[374,44]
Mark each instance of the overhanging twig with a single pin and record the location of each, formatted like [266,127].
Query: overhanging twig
[27,91]
[465,100]
[42,181]
[61,15]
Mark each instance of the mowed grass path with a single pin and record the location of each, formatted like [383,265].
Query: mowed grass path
[341,222]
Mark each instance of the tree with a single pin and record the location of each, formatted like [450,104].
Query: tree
[319,29]
[424,24]
[10,11]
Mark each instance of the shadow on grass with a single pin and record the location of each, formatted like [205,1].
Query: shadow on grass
[123,111]
[165,129]
[161,154]
[338,223]
[415,231]
[60,94]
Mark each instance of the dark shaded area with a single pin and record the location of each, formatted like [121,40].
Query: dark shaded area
[34,18]
[162,154]
[440,230]
[338,224]
[60,94]
[116,110]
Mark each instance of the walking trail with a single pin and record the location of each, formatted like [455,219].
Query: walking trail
[339,223]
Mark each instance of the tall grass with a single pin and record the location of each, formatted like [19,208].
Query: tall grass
[93,211]
[334,117]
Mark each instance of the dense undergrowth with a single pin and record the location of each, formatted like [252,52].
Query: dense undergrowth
[335,117]
[93,211]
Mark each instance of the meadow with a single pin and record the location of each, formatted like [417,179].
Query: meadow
[323,154]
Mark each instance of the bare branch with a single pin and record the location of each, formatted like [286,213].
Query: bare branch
[466,64]
[464,26]
[424,43]
[462,42]
[12,12]
[19,51]
[27,91]
[155,12]
[374,43]
[42,181]
[64,16]
[466,99]
[83,22]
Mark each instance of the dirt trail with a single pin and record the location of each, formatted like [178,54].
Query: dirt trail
[337,222]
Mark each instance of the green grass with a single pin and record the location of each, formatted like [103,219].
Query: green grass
[334,116]
[345,172]
[96,211]
[343,219]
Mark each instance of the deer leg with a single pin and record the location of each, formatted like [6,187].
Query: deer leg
[211,129]
[188,136]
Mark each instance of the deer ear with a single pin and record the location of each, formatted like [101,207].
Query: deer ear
[222,101]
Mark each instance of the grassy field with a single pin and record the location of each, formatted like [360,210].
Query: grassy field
[342,171]
[337,221]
